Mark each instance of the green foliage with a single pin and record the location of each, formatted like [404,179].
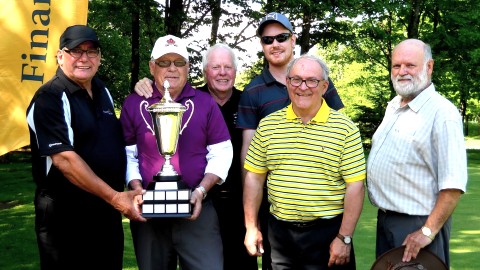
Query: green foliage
[357,36]
[363,88]
[244,78]
[108,19]
[455,47]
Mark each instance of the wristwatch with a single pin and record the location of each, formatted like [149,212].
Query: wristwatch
[202,189]
[347,239]
[428,233]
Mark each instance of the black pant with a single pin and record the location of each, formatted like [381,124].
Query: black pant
[77,234]
[232,228]
[305,246]
[393,228]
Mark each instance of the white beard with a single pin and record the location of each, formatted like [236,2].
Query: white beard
[417,83]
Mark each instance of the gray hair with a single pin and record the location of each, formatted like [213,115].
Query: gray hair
[427,53]
[215,47]
[427,50]
[322,64]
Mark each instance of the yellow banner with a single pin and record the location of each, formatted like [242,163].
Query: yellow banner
[29,32]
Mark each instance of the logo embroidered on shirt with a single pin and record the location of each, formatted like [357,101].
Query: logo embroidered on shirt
[54,144]
[108,112]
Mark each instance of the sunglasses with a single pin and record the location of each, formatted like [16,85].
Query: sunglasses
[280,38]
[167,63]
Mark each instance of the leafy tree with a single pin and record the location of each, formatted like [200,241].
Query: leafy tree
[455,40]
[208,22]
[356,37]
[384,23]
[126,44]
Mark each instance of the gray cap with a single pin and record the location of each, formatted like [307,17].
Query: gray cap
[274,17]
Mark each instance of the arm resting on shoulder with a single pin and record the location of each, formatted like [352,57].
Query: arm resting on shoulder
[144,87]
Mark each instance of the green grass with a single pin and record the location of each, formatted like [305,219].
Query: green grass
[18,248]
[465,235]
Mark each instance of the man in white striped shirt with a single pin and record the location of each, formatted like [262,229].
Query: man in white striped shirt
[416,170]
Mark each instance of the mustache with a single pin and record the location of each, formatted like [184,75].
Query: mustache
[400,77]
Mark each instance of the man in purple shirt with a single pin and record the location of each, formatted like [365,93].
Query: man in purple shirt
[203,158]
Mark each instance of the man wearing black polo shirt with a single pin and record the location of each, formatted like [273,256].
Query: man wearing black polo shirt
[78,162]
[219,70]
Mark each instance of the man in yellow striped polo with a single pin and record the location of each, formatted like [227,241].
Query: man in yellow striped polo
[313,161]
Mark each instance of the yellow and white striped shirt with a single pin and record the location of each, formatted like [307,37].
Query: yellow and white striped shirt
[308,165]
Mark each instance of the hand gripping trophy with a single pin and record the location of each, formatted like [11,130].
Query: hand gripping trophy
[167,195]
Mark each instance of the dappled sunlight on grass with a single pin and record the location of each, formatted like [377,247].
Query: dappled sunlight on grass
[470,232]
[472,143]
[465,238]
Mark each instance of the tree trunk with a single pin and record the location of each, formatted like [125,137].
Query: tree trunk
[216,13]
[135,66]
[174,16]
[414,18]
[305,38]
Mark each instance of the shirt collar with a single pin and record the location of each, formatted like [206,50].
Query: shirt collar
[320,117]
[417,103]
[268,77]
[72,86]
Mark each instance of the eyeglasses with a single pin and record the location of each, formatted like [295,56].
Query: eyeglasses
[77,53]
[167,63]
[310,83]
[280,38]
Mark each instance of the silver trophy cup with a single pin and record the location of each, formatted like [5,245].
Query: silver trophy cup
[167,195]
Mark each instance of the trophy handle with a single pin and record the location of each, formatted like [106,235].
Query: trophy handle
[145,105]
[187,104]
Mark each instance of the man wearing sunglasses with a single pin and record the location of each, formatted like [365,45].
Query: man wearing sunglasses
[267,92]
[203,158]
[78,162]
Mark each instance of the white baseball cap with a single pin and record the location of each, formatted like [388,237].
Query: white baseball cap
[169,44]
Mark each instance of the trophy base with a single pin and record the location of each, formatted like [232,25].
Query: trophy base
[167,197]
[166,178]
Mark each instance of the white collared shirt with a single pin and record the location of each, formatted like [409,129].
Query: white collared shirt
[418,150]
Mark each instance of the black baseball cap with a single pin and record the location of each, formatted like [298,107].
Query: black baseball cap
[76,35]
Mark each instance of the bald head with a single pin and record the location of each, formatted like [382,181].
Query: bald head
[415,45]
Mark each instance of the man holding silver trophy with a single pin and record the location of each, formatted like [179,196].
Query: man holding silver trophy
[201,160]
